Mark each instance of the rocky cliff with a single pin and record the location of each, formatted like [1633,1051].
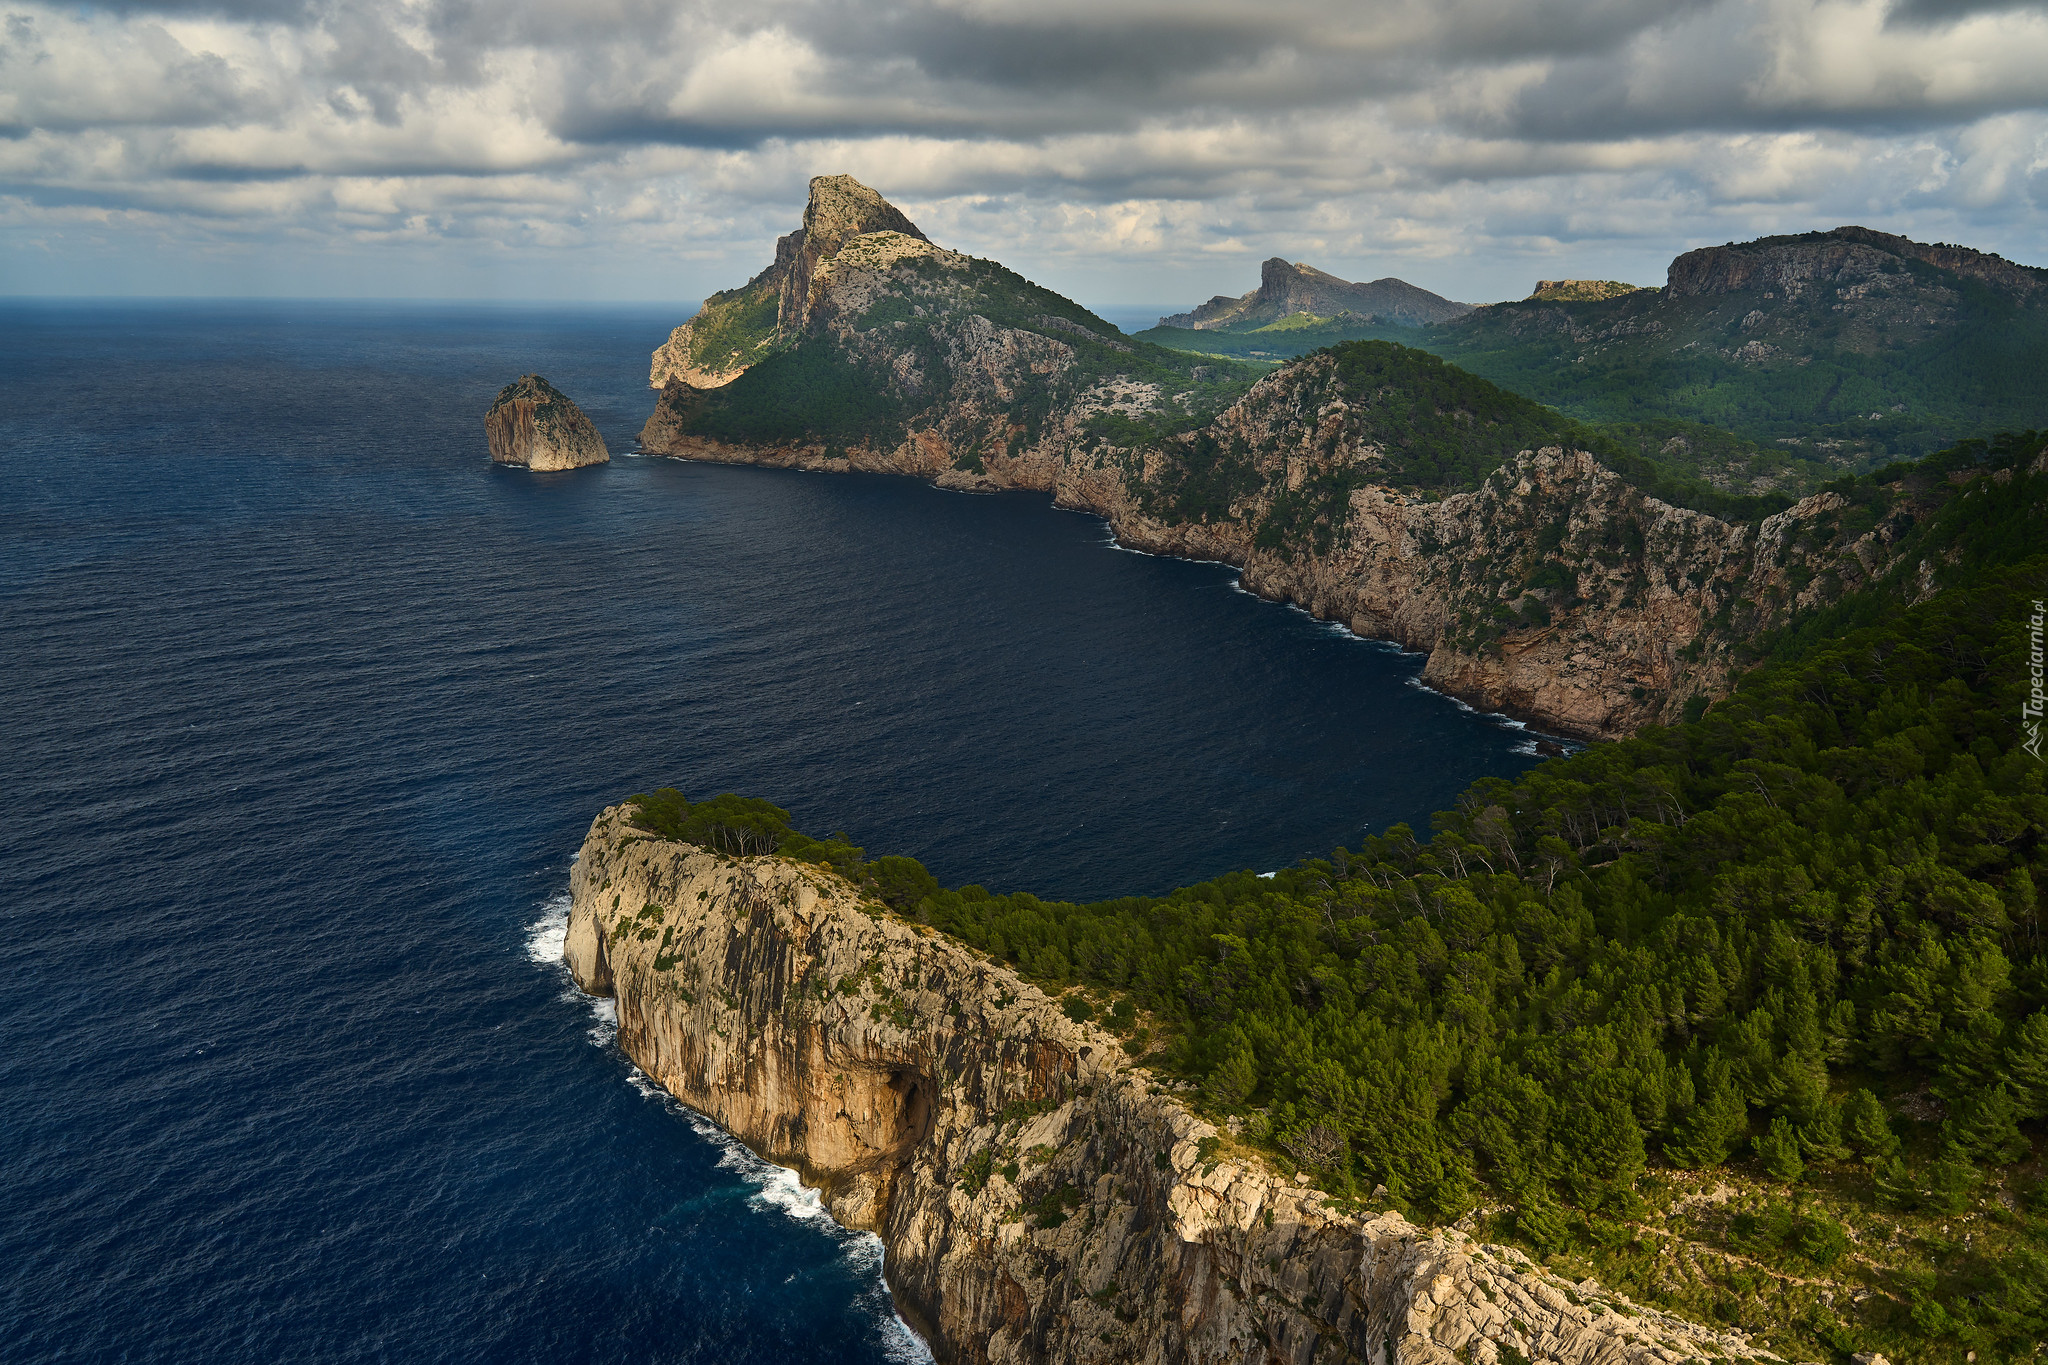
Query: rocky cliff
[740,327]
[534,424]
[1289,289]
[1040,1198]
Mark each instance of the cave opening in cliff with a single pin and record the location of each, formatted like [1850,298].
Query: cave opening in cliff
[914,1108]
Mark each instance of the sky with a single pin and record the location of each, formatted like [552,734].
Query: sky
[1124,152]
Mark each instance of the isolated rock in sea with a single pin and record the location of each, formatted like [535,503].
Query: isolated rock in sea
[533,423]
[1040,1197]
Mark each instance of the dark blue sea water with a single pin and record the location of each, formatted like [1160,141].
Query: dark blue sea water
[306,708]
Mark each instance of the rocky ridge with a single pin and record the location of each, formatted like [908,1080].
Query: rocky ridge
[1039,1197]
[1287,289]
[1582,291]
[532,423]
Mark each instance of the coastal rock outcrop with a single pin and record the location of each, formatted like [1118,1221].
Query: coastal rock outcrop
[1040,1198]
[533,423]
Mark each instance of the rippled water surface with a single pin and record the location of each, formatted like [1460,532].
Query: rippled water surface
[308,706]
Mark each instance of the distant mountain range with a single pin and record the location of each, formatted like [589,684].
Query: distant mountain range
[1844,347]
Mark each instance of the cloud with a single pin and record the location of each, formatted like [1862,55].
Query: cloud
[1122,144]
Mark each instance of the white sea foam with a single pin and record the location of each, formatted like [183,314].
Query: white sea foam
[546,935]
[780,1189]
[776,1188]
[606,1012]
[1109,539]
[544,940]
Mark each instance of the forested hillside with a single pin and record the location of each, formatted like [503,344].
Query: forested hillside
[1842,347]
[1797,944]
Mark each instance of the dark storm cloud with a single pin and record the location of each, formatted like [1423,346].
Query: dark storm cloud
[1521,120]
[1929,13]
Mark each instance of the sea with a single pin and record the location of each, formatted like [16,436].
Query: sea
[307,708]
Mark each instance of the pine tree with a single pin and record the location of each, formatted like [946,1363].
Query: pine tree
[1232,1080]
[1951,1180]
[1716,1122]
[1542,1223]
[1867,1129]
[1779,1150]
[2026,1065]
[1986,1126]
[1895,1185]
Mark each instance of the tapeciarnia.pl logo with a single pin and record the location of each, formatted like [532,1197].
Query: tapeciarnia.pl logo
[2030,709]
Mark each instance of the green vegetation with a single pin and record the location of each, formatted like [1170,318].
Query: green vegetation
[810,391]
[1902,389]
[1795,945]
[894,372]
[1443,430]
[1908,362]
[1283,340]
[740,827]
[734,326]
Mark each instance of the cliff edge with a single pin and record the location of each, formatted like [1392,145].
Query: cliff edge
[1039,1197]
[533,423]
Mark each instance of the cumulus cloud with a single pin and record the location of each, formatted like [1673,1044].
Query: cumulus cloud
[1112,145]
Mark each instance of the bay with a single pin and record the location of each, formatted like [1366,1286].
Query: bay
[308,706]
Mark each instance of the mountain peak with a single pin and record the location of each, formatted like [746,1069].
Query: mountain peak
[737,327]
[1582,291]
[841,208]
[1290,287]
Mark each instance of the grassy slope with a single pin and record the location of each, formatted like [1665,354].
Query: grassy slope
[842,392]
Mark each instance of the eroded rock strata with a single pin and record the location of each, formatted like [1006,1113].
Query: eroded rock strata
[1040,1198]
[533,423]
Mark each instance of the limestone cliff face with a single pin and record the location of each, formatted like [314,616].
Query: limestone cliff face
[1844,258]
[1040,1199]
[534,424]
[738,328]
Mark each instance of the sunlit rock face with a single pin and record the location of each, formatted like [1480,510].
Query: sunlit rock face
[532,423]
[1040,1198]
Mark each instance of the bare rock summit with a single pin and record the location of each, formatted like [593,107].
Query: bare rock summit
[738,327]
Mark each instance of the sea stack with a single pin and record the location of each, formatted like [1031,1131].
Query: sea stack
[533,423]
